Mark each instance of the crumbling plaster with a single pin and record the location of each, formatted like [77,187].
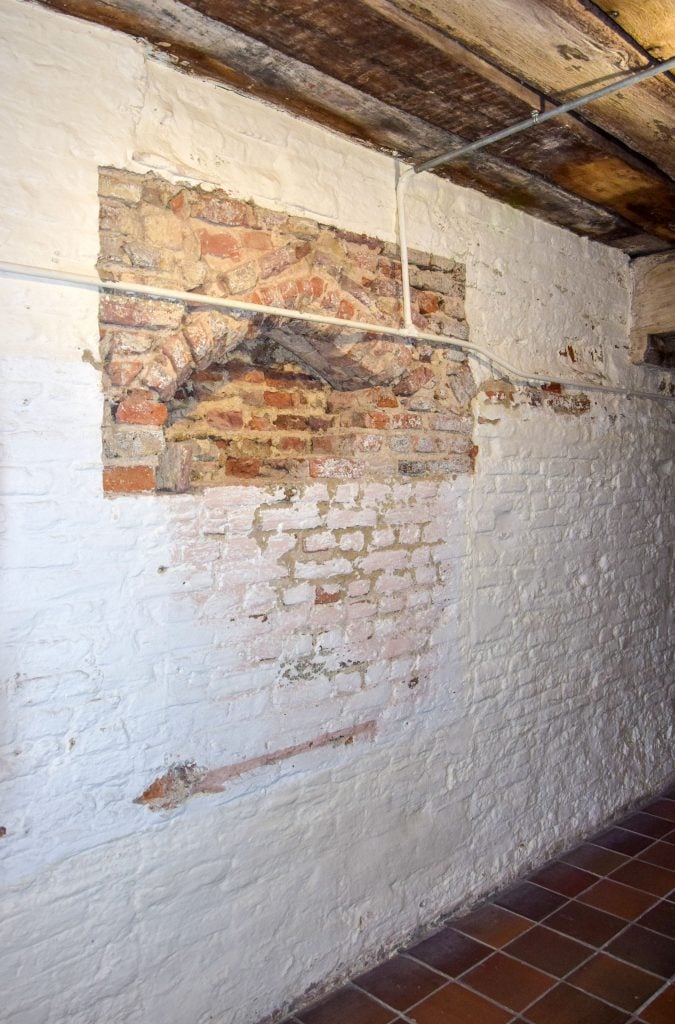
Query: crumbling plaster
[545,648]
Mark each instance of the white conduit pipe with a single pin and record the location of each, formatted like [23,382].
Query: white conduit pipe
[404,177]
[90,282]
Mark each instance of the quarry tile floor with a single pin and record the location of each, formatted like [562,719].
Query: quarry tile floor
[587,939]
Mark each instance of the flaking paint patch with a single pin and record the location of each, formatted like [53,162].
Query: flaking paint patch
[551,396]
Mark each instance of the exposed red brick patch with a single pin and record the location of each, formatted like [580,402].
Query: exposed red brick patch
[326,595]
[128,479]
[344,396]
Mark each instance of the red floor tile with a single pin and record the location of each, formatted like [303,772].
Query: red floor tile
[492,925]
[621,900]
[585,923]
[621,841]
[450,951]
[662,1009]
[347,1005]
[594,858]
[400,982]
[615,982]
[548,950]
[454,1004]
[509,982]
[563,878]
[661,918]
[530,901]
[662,809]
[565,1005]
[662,854]
[649,877]
[646,949]
[646,825]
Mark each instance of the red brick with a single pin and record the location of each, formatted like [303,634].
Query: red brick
[427,302]
[406,421]
[274,262]
[220,244]
[316,287]
[412,382]
[367,442]
[132,312]
[377,420]
[259,240]
[225,419]
[322,596]
[292,422]
[128,479]
[293,444]
[177,204]
[226,211]
[244,372]
[122,371]
[323,444]
[206,375]
[387,402]
[279,399]
[259,423]
[243,467]
[284,467]
[142,409]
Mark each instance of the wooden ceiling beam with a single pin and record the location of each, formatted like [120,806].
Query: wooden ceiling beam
[554,46]
[214,49]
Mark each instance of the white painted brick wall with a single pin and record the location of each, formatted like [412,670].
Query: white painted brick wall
[516,661]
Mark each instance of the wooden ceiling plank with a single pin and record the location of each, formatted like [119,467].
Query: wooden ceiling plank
[557,46]
[651,23]
[245,64]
